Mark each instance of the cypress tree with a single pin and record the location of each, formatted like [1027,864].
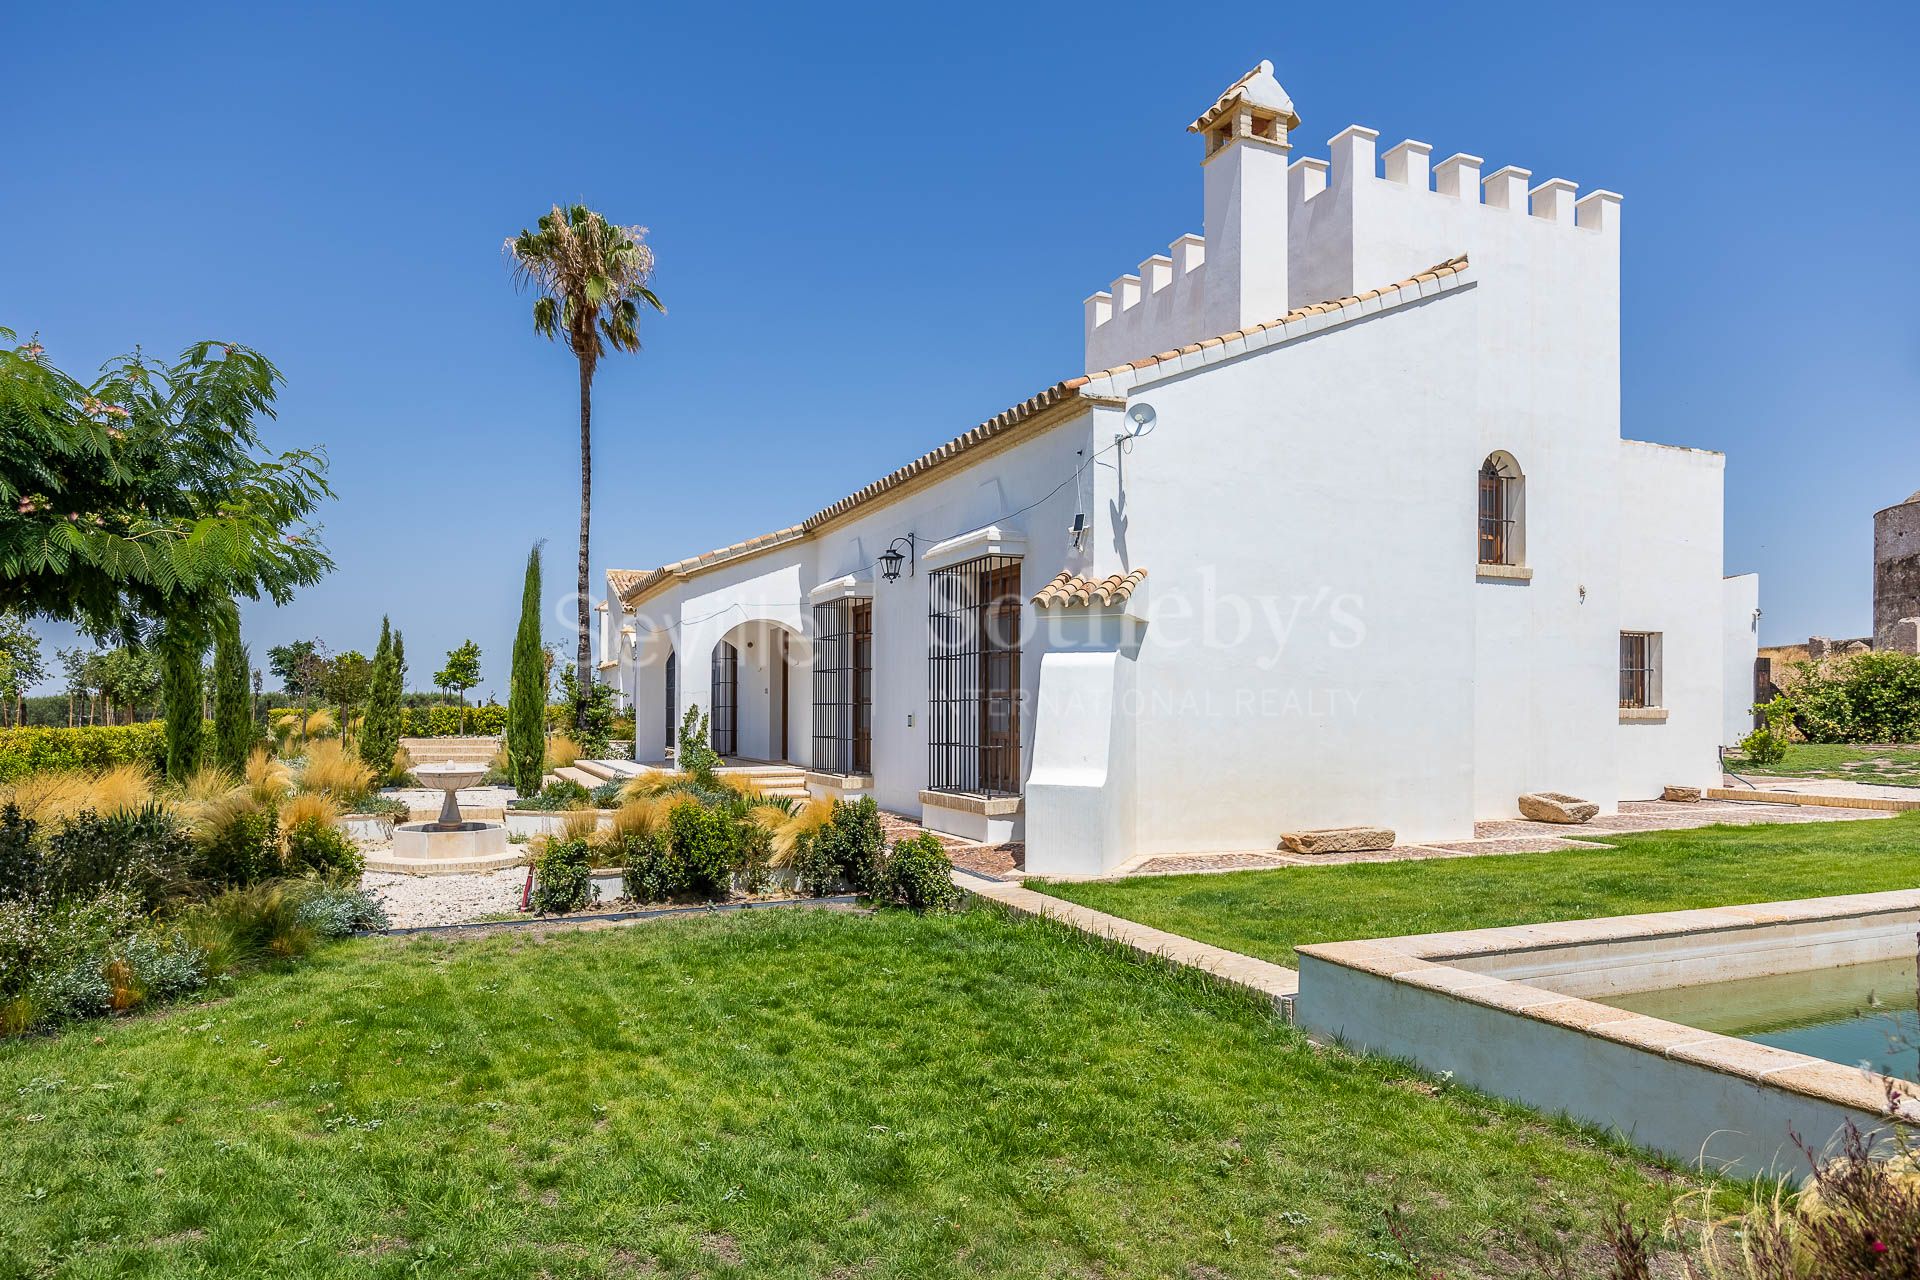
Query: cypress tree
[233,730]
[380,727]
[527,690]
[399,686]
[181,643]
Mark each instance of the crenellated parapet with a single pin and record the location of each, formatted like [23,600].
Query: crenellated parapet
[1280,235]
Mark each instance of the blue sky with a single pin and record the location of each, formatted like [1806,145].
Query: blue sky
[875,227]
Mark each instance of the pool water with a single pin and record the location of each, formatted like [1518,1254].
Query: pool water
[1860,1015]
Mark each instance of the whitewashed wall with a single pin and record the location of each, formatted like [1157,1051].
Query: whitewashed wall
[1670,574]
[1740,646]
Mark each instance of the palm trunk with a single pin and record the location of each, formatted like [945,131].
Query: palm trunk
[583,655]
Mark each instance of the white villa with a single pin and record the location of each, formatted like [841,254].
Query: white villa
[1338,527]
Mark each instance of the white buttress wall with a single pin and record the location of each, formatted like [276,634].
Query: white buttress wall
[1740,639]
[1670,553]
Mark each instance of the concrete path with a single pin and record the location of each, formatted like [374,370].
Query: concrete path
[1275,982]
[1838,788]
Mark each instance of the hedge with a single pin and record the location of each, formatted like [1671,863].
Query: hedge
[101,746]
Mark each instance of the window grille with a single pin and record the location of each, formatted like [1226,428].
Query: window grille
[1497,484]
[672,702]
[723,732]
[973,680]
[1636,668]
[843,686]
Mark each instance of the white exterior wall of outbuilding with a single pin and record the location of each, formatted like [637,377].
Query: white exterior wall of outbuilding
[1740,641]
[1671,588]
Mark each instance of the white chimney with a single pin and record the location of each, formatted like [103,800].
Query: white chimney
[1245,182]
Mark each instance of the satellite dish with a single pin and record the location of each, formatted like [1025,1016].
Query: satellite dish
[1142,416]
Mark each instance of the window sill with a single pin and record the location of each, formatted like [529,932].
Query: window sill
[967,802]
[1643,715]
[1503,573]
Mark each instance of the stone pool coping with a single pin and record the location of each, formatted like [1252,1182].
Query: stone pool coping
[1420,961]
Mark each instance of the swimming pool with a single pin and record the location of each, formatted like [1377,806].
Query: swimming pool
[1856,1015]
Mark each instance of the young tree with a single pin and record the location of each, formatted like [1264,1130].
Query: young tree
[181,642]
[347,679]
[147,494]
[77,670]
[128,679]
[527,692]
[301,666]
[591,277]
[233,731]
[461,673]
[380,731]
[21,666]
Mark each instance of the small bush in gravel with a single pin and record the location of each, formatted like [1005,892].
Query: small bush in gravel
[562,878]
[919,875]
[317,847]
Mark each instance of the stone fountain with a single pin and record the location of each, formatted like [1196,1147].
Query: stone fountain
[450,838]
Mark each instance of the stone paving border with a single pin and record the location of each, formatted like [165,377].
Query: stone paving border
[1276,983]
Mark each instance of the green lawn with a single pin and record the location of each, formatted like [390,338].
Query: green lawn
[1269,913]
[1898,765]
[775,1094]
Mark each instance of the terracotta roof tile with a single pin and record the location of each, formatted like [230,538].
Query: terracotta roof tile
[1067,589]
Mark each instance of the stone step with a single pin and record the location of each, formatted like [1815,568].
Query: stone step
[601,769]
[617,768]
[573,773]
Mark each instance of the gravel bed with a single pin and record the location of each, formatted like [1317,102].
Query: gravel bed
[452,899]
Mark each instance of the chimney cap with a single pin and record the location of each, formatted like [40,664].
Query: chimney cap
[1257,89]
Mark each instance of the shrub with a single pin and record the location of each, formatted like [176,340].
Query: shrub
[753,857]
[562,877]
[54,955]
[919,875]
[1862,697]
[483,720]
[693,754]
[239,842]
[150,968]
[90,747]
[703,845]
[316,847]
[148,853]
[849,850]
[644,863]
[1768,743]
[241,928]
[558,795]
[608,794]
[562,751]
[338,911]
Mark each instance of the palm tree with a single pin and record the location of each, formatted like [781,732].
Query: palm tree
[591,277]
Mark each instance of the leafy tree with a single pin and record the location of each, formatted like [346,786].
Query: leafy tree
[21,666]
[380,730]
[591,277]
[233,727]
[181,642]
[349,676]
[527,692]
[301,666]
[461,673]
[79,669]
[129,679]
[147,494]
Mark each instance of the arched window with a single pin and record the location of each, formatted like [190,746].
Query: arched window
[1502,511]
[723,732]
[672,700]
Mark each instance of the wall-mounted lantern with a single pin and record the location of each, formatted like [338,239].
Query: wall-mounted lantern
[890,558]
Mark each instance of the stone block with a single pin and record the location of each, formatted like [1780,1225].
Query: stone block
[1337,840]
[1686,795]
[1905,637]
[1552,806]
